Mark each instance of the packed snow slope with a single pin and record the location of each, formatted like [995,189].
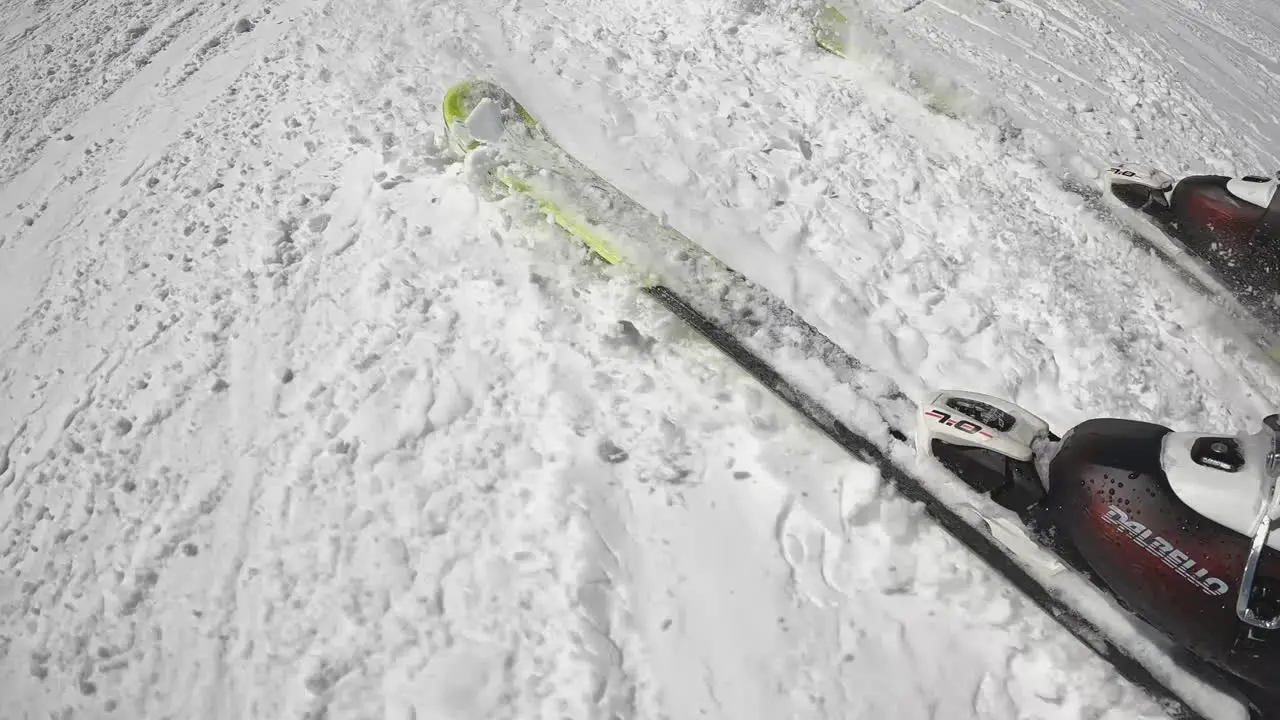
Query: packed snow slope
[295,424]
[1186,85]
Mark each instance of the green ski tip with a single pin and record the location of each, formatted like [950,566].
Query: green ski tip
[829,31]
[462,98]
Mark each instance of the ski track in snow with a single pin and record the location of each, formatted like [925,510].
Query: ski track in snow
[295,425]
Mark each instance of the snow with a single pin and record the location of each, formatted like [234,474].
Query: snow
[296,424]
[485,121]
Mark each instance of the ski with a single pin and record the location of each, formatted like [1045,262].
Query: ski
[830,33]
[494,132]
[519,157]
[1182,262]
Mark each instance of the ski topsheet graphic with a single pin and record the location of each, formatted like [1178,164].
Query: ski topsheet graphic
[506,145]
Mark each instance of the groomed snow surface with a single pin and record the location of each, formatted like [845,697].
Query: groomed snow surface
[294,424]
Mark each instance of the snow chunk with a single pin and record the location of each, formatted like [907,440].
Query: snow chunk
[858,492]
[485,121]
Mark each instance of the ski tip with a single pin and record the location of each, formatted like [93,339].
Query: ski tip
[462,99]
[829,31]
[479,112]
[454,102]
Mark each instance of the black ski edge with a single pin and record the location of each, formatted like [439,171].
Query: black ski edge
[907,485]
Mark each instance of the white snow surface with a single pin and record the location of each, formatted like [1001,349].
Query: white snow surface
[294,424]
